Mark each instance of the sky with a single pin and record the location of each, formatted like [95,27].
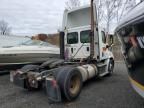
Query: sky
[29,17]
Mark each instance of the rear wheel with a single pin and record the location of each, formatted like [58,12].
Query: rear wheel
[70,82]
[74,84]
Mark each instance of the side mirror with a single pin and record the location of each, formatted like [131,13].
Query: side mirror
[110,40]
[104,37]
[107,46]
[105,40]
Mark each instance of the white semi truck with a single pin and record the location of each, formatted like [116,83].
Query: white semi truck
[84,54]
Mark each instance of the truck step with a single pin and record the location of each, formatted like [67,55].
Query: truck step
[103,74]
[101,64]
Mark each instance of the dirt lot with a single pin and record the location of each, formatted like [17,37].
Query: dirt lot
[109,92]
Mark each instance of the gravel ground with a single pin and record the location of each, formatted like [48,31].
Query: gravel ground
[109,92]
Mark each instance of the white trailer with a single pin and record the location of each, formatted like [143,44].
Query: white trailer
[84,54]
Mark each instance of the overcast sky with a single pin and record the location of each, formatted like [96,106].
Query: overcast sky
[28,17]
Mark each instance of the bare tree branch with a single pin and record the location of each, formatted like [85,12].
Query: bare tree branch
[110,12]
[125,5]
[4,28]
[115,9]
[123,9]
[100,11]
[70,4]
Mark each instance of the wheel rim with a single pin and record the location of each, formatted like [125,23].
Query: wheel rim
[74,85]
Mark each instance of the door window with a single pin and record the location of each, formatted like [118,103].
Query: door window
[85,36]
[72,38]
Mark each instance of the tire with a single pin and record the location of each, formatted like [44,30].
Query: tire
[70,82]
[110,67]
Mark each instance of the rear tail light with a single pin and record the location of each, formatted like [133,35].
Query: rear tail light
[54,83]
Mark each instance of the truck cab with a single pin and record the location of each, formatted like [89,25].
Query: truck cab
[77,29]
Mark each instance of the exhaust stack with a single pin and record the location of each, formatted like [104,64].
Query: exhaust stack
[92,32]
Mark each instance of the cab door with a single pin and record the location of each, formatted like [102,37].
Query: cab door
[85,43]
[71,44]
[102,44]
[77,45]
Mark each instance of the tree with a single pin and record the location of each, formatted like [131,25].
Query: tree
[70,4]
[99,6]
[110,12]
[115,10]
[130,4]
[123,7]
[4,28]
[120,9]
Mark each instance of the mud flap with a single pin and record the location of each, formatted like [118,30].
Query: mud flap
[53,90]
[17,80]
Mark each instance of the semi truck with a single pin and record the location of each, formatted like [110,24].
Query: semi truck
[84,54]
